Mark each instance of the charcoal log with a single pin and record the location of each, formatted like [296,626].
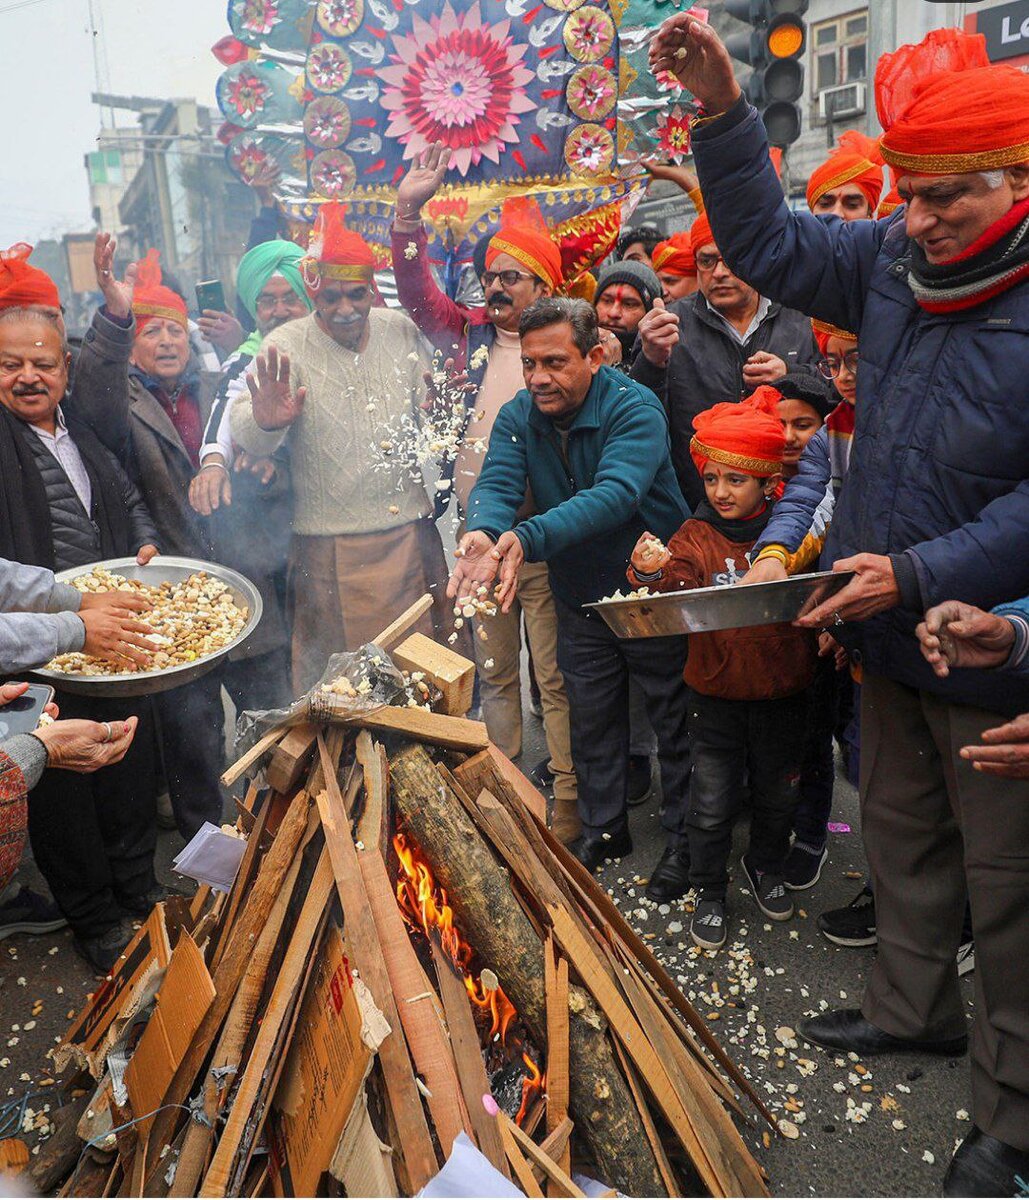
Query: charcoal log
[491,920]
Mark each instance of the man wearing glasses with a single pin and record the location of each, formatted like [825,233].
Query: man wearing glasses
[522,265]
[718,344]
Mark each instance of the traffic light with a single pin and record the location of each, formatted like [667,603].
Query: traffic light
[773,48]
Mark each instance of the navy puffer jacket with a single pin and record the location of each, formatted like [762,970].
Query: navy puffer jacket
[939,468]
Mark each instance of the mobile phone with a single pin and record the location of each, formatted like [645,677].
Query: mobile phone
[22,715]
[211,295]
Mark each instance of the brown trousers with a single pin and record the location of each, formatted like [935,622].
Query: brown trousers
[932,826]
[345,590]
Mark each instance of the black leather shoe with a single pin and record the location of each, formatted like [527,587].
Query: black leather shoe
[846,1029]
[670,878]
[103,951]
[640,786]
[984,1166]
[591,851]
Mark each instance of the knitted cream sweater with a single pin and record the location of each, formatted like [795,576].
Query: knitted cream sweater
[354,403]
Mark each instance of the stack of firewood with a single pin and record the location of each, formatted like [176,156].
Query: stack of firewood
[406,956]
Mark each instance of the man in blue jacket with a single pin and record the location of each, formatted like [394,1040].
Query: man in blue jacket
[936,506]
[592,447]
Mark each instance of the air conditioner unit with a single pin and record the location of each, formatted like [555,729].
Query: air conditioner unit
[839,102]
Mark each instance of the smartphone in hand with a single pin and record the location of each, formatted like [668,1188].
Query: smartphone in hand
[211,294]
[22,715]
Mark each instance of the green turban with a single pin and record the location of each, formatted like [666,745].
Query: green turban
[257,266]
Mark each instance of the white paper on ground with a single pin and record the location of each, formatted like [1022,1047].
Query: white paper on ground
[468,1172]
[211,857]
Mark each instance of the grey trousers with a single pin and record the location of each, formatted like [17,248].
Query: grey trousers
[932,826]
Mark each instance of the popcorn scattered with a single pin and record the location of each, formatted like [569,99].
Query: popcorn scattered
[928,1157]
[411,251]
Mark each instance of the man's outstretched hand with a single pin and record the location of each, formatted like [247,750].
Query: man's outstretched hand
[955,634]
[1005,750]
[117,293]
[512,555]
[477,565]
[872,590]
[696,56]
[422,181]
[275,405]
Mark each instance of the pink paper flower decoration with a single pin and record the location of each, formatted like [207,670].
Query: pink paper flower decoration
[459,81]
[673,133]
[248,93]
[258,16]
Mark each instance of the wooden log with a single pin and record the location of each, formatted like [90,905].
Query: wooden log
[58,1156]
[415,1157]
[556,979]
[395,631]
[452,733]
[372,825]
[488,916]
[256,752]
[471,1070]
[451,673]
[292,757]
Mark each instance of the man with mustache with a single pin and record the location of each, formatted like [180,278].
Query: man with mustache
[522,265]
[338,387]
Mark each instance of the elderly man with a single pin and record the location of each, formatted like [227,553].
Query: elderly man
[716,345]
[522,264]
[64,502]
[334,386]
[936,506]
[247,501]
[593,447]
[850,181]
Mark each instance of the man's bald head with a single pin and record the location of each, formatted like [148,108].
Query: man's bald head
[34,362]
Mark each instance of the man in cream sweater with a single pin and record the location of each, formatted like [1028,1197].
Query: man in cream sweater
[341,384]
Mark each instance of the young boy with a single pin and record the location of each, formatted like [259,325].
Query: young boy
[748,706]
[804,402]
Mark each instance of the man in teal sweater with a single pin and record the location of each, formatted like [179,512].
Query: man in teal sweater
[592,447]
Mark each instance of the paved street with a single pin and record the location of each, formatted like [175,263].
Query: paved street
[793,971]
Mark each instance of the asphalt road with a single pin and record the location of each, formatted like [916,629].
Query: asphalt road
[791,969]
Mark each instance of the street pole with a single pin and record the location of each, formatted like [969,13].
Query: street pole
[882,38]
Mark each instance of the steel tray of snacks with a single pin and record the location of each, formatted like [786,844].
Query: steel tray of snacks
[163,568]
[705,609]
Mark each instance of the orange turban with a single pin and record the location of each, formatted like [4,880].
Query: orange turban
[700,233]
[151,299]
[823,331]
[23,285]
[524,235]
[743,436]
[946,109]
[336,252]
[675,256]
[857,161]
[889,202]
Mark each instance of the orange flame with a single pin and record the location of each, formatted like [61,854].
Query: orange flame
[423,904]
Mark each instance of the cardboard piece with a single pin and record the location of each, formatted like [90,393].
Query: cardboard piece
[325,1068]
[362,1163]
[185,996]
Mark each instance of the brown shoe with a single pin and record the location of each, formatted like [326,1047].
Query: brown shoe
[566,826]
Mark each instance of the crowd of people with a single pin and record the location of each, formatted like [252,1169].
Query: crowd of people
[745,399]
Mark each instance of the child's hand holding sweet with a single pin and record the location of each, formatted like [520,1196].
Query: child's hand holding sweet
[650,555]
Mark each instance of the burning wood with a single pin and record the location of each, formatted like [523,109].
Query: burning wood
[405,956]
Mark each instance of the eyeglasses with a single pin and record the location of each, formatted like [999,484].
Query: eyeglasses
[708,262]
[270,303]
[833,364]
[507,278]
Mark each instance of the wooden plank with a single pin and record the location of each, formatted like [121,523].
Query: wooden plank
[450,672]
[471,1070]
[652,1070]
[372,823]
[278,1007]
[557,1140]
[241,884]
[672,1188]
[396,629]
[416,1159]
[452,733]
[292,757]
[334,742]
[256,752]
[234,961]
[524,1176]
[418,1005]
[561,1180]
[556,983]
[530,796]
[616,922]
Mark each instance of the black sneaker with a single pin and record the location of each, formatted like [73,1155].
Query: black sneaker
[140,907]
[639,783]
[542,776]
[853,925]
[803,866]
[103,951]
[769,892]
[29,912]
[707,929]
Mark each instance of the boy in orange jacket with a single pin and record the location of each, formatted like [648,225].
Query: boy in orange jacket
[748,706]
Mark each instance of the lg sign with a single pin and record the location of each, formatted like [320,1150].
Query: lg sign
[1006,29]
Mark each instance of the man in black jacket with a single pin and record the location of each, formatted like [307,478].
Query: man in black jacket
[65,502]
[717,345]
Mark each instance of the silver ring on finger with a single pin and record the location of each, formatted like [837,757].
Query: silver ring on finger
[837,619]
[109,732]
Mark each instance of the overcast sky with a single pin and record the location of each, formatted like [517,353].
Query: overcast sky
[153,48]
